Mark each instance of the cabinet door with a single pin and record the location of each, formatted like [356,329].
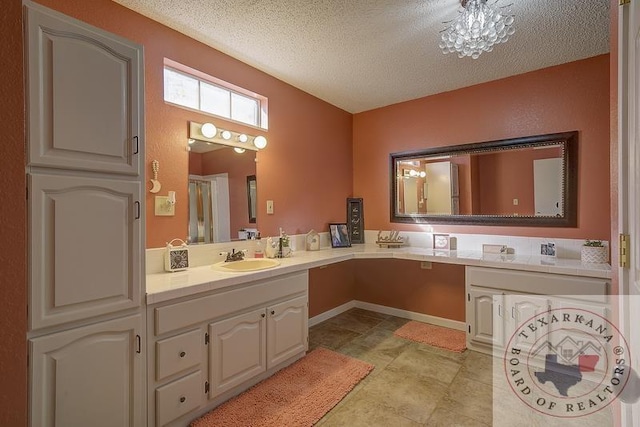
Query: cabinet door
[89,376]
[485,317]
[287,330]
[237,350]
[85,96]
[521,308]
[85,239]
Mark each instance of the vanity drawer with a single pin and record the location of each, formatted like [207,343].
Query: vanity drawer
[178,353]
[205,308]
[179,397]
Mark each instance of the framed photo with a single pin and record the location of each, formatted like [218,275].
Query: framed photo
[355,220]
[441,241]
[339,233]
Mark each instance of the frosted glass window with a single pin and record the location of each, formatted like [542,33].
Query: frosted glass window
[244,109]
[191,88]
[181,89]
[215,100]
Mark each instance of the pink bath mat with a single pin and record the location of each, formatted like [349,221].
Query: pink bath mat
[298,395]
[437,336]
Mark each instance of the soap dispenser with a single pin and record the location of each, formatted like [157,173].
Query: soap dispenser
[258,252]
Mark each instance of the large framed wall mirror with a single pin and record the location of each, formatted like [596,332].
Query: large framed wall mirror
[530,181]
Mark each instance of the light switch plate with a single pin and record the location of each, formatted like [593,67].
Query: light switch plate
[269,207]
[163,207]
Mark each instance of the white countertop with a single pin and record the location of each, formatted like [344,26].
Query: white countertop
[166,286]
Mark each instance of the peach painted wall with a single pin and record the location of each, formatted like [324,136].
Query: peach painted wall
[403,284]
[508,175]
[13,290]
[238,167]
[613,114]
[567,97]
[305,169]
[330,287]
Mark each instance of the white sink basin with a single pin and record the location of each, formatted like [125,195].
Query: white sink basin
[249,264]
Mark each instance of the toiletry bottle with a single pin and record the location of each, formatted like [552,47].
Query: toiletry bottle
[258,253]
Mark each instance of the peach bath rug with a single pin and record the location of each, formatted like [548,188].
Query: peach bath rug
[298,395]
[437,336]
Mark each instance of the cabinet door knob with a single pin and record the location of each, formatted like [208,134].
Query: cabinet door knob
[183,399]
[183,354]
[273,312]
[262,315]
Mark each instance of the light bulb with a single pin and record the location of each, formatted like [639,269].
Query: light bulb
[208,130]
[239,150]
[260,142]
[242,137]
[226,134]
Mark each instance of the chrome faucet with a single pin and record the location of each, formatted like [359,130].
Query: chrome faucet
[233,255]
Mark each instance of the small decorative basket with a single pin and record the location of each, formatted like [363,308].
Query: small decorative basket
[594,254]
[176,258]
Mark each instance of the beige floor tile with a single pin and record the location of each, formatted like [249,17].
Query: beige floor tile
[405,394]
[368,313]
[459,357]
[425,365]
[329,336]
[378,359]
[365,411]
[393,323]
[354,322]
[445,417]
[472,398]
[478,367]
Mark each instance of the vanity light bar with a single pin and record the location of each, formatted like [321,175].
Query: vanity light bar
[208,132]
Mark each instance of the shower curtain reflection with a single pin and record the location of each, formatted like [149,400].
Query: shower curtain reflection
[200,212]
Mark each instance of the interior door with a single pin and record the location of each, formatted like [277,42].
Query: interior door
[628,179]
[547,186]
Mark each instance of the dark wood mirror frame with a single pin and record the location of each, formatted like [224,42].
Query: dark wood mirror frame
[569,217]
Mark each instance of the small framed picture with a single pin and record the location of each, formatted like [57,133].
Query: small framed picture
[339,233]
[548,249]
[355,220]
[441,241]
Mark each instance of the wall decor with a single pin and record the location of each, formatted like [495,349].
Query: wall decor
[339,233]
[391,240]
[312,241]
[355,220]
[176,257]
[444,242]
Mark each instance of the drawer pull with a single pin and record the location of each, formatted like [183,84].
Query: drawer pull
[183,354]
[262,315]
[273,312]
[183,399]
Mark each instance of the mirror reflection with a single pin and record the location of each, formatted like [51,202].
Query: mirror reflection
[499,182]
[221,181]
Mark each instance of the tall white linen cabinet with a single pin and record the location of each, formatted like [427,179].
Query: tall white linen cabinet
[86,224]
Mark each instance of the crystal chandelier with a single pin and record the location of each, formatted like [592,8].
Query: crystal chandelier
[477,29]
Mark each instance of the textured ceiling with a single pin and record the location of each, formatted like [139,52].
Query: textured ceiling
[364,54]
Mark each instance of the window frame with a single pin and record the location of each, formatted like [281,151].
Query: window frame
[200,77]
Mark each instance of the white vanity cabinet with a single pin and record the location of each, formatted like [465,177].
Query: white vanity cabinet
[211,346]
[89,376]
[498,300]
[86,224]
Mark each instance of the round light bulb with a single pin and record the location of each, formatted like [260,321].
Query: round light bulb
[260,142]
[423,174]
[239,150]
[243,138]
[226,134]
[208,130]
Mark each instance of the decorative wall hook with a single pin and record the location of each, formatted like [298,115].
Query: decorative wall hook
[155,184]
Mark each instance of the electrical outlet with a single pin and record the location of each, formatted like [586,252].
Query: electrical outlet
[163,207]
[425,265]
[515,202]
[269,207]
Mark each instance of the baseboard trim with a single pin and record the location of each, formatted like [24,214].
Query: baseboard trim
[406,314]
[331,313]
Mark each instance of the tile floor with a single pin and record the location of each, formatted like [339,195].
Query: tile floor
[412,384]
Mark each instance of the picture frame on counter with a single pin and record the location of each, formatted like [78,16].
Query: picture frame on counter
[339,235]
[355,219]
